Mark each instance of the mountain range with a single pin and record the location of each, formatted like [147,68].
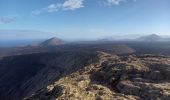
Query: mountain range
[147,38]
[152,37]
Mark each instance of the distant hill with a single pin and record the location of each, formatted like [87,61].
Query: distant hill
[52,42]
[153,38]
[147,38]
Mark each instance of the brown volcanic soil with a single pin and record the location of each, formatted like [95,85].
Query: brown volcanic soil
[132,77]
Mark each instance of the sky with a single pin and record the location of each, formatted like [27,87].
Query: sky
[82,19]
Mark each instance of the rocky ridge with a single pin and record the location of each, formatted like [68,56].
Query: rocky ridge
[128,77]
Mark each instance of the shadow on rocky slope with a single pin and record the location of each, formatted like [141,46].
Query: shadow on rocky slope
[21,76]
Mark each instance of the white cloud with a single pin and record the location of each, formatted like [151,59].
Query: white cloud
[53,7]
[66,5]
[72,4]
[36,12]
[6,19]
[114,2]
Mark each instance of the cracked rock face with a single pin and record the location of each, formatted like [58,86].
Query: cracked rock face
[132,77]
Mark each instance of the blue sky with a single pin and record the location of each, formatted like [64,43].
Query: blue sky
[83,19]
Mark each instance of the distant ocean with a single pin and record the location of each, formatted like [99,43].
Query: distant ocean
[14,43]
